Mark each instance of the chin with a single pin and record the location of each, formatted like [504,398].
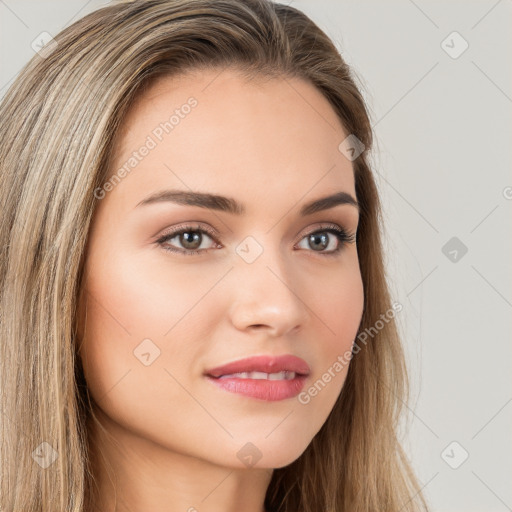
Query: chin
[269,455]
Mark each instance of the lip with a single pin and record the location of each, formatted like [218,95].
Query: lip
[262,389]
[266,364]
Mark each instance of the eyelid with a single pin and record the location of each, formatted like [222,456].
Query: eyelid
[326,226]
[192,226]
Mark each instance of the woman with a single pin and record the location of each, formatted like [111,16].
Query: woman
[194,309]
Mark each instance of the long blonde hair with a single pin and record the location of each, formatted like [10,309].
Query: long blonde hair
[58,122]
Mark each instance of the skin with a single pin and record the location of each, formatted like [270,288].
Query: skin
[170,437]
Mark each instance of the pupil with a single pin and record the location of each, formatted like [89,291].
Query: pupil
[186,240]
[322,239]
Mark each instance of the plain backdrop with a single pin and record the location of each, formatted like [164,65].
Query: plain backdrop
[437,80]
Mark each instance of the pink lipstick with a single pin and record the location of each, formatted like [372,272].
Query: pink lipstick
[267,378]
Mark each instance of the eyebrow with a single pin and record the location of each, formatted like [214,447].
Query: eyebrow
[230,205]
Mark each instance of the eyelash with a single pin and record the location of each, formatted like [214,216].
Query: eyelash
[343,237]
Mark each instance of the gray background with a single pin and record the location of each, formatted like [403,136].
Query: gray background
[443,129]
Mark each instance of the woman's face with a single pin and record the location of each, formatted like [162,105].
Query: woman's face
[160,316]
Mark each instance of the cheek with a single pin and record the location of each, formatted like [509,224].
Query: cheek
[338,301]
[344,311]
[133,296]
[143,292]
[338,306]
[131,305]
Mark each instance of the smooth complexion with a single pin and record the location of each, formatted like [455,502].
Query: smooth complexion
[171,436]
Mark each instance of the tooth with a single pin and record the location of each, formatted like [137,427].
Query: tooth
[284,375]
[231,375]
[258,375]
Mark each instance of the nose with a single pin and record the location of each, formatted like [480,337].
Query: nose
[267,296]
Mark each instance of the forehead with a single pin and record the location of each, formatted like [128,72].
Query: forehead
[216,131]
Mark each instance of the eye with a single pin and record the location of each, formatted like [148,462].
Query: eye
[320,239]
[191,238]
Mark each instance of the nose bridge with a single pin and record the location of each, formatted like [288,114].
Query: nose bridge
[266,289]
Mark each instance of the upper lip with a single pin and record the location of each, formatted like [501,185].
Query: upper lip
[266,364]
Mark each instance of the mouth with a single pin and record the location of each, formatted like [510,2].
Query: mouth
[265,378]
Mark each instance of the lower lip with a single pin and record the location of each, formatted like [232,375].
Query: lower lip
[263,389]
